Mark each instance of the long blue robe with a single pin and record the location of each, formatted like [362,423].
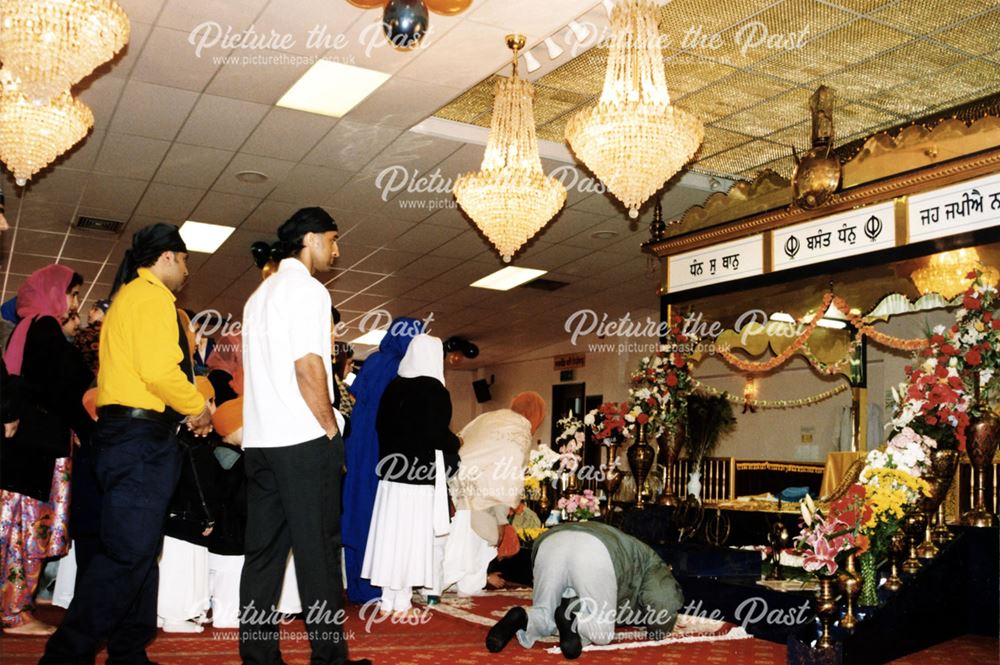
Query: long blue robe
[362,452]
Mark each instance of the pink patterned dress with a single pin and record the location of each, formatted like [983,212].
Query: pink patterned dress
[30,532]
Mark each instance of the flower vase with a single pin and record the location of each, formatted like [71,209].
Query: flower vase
[897,548]
[869,581]
[640,460]
[694,484]
[850,583]
[982,437]
[826,605]
[612,477]
[670,446]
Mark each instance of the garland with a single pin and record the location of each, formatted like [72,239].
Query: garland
[771,404]
[862,328]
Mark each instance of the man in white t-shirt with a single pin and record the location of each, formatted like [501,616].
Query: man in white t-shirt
[293,446]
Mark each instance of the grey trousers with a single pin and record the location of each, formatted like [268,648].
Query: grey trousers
[573,564]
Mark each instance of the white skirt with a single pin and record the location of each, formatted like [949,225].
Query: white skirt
[400,550]
[183,593]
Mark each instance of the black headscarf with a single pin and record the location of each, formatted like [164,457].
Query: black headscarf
[147,245]
[290,234]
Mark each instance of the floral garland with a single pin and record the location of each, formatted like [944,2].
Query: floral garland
[609,423]
[784,356]
[658,387]
[771,404]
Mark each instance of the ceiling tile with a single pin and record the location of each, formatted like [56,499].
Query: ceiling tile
[83,155]
[219,122]
[385,260]
[88,249]
[238,244]
[259,76]
[42,216]
[225,209]
[192,166]
[571,226]
[141,10]
[226,16]
[275,169]
[432,290]
[288,134]
[57,185]
[549,257]
[423,238]
[402,102]
[89,269]
[313,25]
[353,282]
[394,286]
[132,156]
[124,62]
[427,267]
[362,302]
[359,194]
[25,264]
[460,56]
[351,143]
[120,195]
[310,185]
[169,202]
[467,245]
[37,242]
[268,216]
[371,230]
[101,95]
[169,59]
[151,110]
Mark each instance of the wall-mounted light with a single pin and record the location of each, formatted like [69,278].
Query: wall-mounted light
[554,49]
[531,63]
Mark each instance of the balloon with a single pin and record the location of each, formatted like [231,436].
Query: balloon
[269,269]
[261,252]
[404,22]
[454,358]
[367,4]
[447,7]
[471,350]
[453,344]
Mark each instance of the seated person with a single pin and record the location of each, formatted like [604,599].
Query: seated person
[588,576]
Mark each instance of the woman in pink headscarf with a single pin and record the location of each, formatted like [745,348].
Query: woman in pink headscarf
[35,475]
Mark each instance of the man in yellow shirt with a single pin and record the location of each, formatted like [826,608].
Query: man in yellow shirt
[145,391]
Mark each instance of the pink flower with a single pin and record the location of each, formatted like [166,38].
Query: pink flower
[821,556]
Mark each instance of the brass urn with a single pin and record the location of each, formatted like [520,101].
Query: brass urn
[817,172]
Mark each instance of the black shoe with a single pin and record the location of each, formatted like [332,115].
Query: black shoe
[516,619]
[569,640]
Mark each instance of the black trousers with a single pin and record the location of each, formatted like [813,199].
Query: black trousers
[293,502]
[137,466]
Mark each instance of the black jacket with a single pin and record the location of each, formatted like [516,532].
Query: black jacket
[412,422]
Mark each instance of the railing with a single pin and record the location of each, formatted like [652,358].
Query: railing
[961,495]
[718,478]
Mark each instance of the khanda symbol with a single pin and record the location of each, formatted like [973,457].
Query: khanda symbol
[792,246]
[873,228]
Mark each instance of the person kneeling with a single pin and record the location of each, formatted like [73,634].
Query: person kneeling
[589,576]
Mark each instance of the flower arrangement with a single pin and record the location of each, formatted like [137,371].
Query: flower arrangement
[542,462]
[570,441]
[580,506]
[528,535]
[609,423]
[824,538]
[977,331]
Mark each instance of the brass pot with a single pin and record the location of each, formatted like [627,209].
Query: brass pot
[826,605]
[850,583]
[897,549]
[913,524]
[640,459]
[612,479]
[939,476]
[670,447]
[981,438]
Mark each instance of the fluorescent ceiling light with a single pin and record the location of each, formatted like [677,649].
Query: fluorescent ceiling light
[832,323]
[783,317]
[206,238]
[370,338]
[507,278]
[332,88]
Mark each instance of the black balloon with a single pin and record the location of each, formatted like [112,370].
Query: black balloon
[261,253]
[404,22]
[453,344]
[470,350]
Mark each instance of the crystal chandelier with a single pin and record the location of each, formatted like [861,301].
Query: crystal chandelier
[634,140]
[947,273]
[510,199]
[51,44]
[32,135]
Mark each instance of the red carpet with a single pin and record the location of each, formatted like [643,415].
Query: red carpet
[445,639]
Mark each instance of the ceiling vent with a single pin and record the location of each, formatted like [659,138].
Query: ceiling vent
[543,284]
[98,224]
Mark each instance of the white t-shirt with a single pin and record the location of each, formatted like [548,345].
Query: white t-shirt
[287,317]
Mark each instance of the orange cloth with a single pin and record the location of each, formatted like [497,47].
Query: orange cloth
[205,387]
[90,402]
[229,417]
[531,405]
[837,464]
[509,544]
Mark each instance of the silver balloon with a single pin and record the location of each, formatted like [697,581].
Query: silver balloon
[404,22]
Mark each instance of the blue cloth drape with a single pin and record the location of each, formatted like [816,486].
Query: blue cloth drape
[362,452]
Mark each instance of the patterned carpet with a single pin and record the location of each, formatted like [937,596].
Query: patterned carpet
[444,638]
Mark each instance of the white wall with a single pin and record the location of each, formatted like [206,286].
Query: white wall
[764,435]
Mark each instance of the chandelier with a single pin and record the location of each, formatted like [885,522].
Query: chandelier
[947,273]
[510,199]
[51,44]
[32,135]
[634,140]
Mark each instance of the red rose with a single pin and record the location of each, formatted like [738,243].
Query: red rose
[651,401]
[678,360]
[931,420]
[971,304]
[937,339]
[949,350]
[971,275]
[941,372]
[671,379]
[995,324]
[987,316]
[973,357]
[642,418]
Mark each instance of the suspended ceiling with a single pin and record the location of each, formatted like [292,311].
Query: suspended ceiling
[888,61]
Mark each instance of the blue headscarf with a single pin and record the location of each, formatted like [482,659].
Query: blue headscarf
[361,451]
[9,311]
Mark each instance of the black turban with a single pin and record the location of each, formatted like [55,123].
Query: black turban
[147,245]
[290,234]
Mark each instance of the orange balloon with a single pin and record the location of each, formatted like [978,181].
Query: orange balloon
[269,269]
[447,7]
[455,358]
[368,4]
